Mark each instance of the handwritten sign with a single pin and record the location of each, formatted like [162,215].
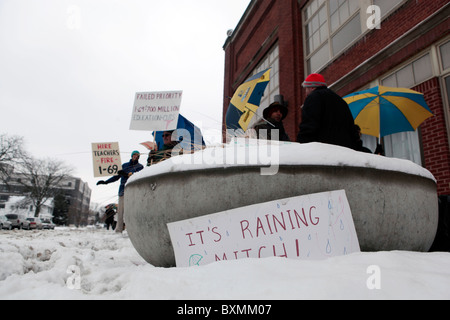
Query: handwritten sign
[314,226]
[150,145]
[156,111]
[106,157]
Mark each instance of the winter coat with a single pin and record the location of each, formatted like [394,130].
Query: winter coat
[361,148]
[282,135]
[128,167]
[165,153]
[326,118]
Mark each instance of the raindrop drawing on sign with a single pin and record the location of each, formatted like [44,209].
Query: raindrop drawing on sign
[328,247]
[194,260]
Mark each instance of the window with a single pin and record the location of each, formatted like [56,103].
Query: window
[403,145]
[406,145]
[386,5]
[329,27]
[447,88]
[444,69]
[411,74]
[340,12]
[332,25]
[273,88]
[347,34]
[444,51]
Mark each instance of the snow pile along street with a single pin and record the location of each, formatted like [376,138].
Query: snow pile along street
[99,264]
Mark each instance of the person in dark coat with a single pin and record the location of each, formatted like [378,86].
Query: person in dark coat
[128,169]
[273,120]
[156,156]
[109,216]
[326,117]
[360,146]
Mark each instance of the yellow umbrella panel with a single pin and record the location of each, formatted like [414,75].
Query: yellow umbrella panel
[246,101]
[382,111]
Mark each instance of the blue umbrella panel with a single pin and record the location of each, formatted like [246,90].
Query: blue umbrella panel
[191,139]
[382,111]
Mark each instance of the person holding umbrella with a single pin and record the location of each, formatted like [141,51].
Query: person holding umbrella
[326,117]
[128,169]
[273,116]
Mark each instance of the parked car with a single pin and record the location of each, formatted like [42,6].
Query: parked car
[48,224]
[4,223]
[18,221]
[35,223]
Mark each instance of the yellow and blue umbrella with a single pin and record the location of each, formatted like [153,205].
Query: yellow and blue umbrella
[246,101]
[381,111]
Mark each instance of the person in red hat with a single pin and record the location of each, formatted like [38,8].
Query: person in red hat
[326,117]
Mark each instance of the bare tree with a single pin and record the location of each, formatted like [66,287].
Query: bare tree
[11,153]
[41,179]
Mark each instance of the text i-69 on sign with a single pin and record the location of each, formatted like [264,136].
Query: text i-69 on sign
[106,158]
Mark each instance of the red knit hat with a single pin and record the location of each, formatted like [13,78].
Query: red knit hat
[314,80]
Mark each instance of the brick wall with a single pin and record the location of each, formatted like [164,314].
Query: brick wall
[270,22]
[434,136]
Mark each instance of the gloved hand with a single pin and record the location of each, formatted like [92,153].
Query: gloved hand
[379,150]
[101,182]
[123,173]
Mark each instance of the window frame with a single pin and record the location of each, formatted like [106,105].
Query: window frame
[308,15]
[270,60]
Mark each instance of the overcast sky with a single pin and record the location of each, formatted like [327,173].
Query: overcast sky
[69,71]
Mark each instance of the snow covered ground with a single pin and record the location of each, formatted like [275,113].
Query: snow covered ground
[98,264]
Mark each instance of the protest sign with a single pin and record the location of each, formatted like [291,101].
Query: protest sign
[313,226]
[156,111]
[150,145]
[106,157]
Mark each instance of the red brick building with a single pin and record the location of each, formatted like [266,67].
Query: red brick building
[410,48]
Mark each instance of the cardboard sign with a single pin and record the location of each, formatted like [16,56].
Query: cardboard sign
[314,226]
[106,158]
[150,145]
[156,111]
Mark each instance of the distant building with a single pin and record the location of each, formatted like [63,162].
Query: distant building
[342,41]
[78,197]
[76,193]
[21,205]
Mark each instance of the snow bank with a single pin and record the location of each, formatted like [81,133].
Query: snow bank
[39,264]
[264,153]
